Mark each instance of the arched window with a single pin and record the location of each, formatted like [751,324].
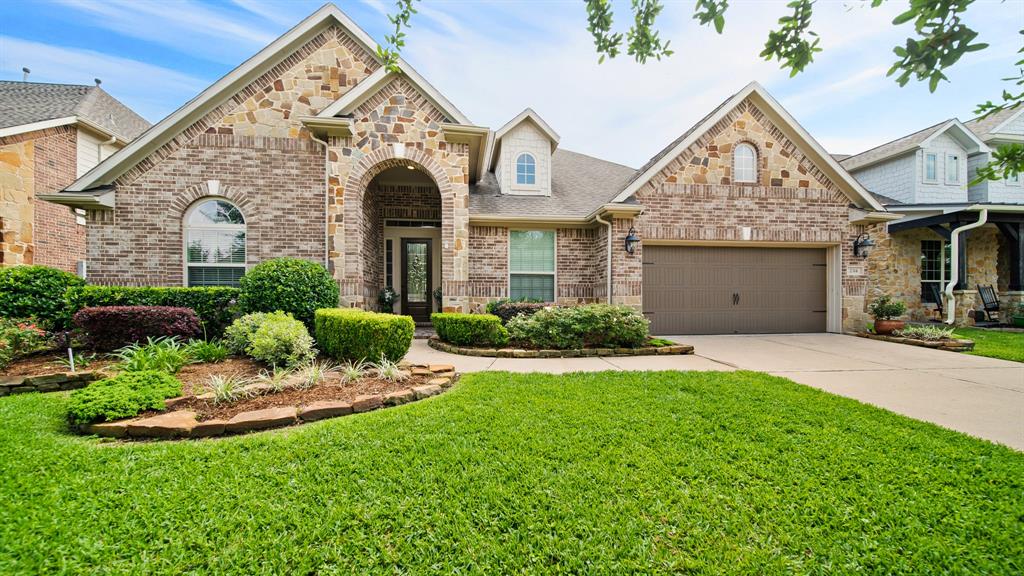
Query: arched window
[214,244]
[744,163]
[526,169]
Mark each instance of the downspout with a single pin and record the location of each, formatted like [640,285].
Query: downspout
[327,196]
[100,145]
[954,248]
[608,273]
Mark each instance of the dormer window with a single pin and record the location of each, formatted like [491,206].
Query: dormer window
[952,169]
[526,169]
[931,167]
[744,161]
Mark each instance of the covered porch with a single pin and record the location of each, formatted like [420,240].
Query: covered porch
[966,246]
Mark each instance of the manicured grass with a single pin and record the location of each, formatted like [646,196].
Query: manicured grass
[613,473]
[994,343]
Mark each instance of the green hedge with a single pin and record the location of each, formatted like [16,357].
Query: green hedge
[470,329]
[36,292]
[122,396]
[351,334]
[571,327]
[215,306]
[288,284]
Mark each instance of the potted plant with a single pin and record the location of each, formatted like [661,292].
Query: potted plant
[438,300]
[387,298]
[886,310]
[1016,314]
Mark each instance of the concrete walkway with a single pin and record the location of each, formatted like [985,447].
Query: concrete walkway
[983,397]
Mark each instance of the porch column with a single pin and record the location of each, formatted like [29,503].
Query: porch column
[962,281]
[1014,232]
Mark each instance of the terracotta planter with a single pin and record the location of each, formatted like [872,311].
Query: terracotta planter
[888,326]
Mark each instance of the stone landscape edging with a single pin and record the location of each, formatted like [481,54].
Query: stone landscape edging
[952,344]
[182,424]
[675,349]
[46,382]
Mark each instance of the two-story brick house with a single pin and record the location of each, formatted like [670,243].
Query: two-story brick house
[926,177]
[313,149]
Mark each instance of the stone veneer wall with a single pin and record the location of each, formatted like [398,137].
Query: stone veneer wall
[895,269]
[33,231]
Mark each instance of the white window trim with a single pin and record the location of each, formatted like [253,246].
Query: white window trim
[219,227]
[735,174]
[508,261]
[942,270]
[924,168]
[532,189]
[952,158]
[1015,183]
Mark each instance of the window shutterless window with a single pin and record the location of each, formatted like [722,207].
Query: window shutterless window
[214,244]
[936,267]
[952,169]
[532,264]
[744,161]
[389,263]
[931,167]
[526,169]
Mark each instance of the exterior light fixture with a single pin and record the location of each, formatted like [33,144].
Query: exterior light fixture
[410,166]
[862,245]
[631,240]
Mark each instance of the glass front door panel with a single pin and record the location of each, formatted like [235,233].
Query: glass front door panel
[416,272]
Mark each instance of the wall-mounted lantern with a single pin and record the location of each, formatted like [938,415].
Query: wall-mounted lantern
[631,240]
[862,245]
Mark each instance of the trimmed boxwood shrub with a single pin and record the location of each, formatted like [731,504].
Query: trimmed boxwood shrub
[111,327]
[570,327]
[36,292]
[122,396]
[470,329]
[351,334]
[290,285]
[215,305]
[275,338]
[507,309]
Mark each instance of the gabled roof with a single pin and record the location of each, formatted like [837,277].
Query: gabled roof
[380,78]
[777,114]
[27,106]
[579,185]
[915,141]
[991,127]
[220,91]
[527,115]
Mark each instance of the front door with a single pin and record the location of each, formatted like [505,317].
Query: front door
[416,285]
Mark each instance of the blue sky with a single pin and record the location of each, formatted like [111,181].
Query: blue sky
[492,59]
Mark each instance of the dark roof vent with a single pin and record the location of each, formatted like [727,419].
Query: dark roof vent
[25,72]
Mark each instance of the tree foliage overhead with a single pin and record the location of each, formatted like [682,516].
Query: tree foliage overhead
[941,38]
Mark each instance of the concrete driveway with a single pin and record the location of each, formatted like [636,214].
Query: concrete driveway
[979,396]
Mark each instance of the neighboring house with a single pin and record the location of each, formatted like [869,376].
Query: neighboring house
[925,177]
[312,149]
[50,135]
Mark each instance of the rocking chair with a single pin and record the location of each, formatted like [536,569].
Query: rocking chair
[990,302]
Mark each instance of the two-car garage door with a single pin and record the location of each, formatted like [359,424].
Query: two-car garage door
[727,290]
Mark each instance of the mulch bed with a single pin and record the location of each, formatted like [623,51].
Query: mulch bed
[330,388]
[195,376]
[43,363]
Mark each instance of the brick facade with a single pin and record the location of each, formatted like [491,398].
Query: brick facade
[34,231]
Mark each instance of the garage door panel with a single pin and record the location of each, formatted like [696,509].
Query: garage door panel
[708,290]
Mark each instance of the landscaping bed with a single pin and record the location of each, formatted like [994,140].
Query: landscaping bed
[259,406]
[951,344]
[490,352]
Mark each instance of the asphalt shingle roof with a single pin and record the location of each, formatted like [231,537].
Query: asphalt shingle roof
[29,102]
[982,127]
[579,185]
[904,144]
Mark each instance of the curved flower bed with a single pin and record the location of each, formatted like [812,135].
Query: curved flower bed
[197,416]
[951,344]
[675,349]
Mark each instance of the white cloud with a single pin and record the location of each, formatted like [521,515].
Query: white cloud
[150,90]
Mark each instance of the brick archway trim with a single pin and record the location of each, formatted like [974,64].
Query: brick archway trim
[215,189]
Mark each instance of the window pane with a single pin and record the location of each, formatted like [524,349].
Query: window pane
[532,286]
[929,166]
[216,246]
[215,212]
[532,251]
[215,275]
[526,169]
[953,168]
[744,161]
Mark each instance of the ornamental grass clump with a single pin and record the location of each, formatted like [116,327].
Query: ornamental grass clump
[204,351]
[277,379]
[389,371]
[314,373]
[161,354]
[924,332]
[226,388]
[353,371]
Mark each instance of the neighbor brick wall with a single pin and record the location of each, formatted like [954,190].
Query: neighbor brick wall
[53,238]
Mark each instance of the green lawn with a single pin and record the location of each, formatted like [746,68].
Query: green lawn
[995,344]
[613,473]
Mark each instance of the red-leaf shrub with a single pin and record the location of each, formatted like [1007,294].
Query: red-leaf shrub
[111,327]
